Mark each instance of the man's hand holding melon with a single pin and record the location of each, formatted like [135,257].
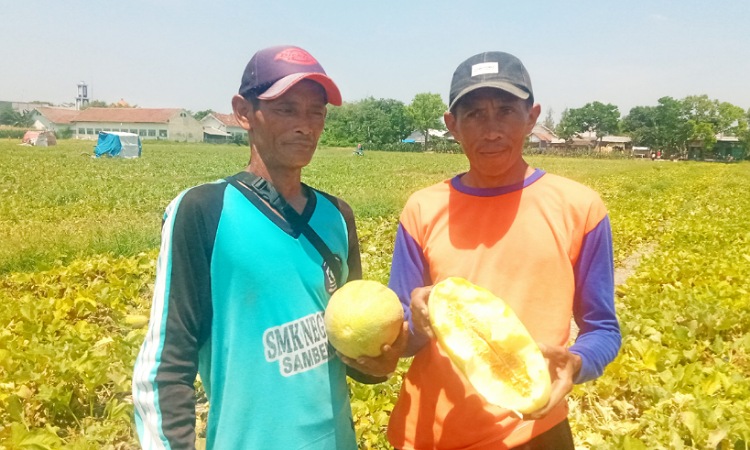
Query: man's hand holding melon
[365,324]
[563,368]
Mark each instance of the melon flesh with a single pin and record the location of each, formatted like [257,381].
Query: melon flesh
[487,342]
[361,317]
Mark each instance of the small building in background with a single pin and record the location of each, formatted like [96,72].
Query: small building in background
[609,144]
[726,148]
[542,138]
[220,128]
[640,152]
[589,141]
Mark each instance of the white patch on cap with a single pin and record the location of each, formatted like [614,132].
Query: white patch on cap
[484,68]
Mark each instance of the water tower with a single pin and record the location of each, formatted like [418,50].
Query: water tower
[83,95]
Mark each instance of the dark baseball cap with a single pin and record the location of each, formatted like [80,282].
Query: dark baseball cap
[491,69]
[272,71]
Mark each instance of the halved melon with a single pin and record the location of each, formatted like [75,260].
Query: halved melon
[488,343]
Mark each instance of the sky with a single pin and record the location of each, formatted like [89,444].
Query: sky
[191,54]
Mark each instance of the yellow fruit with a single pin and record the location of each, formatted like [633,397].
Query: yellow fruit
[488,343]
[362,316]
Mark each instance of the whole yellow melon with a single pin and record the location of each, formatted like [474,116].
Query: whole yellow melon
[362,316]
[488,343]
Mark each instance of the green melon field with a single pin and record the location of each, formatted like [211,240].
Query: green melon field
[78,240]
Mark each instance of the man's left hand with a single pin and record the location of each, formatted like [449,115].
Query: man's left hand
[563,367]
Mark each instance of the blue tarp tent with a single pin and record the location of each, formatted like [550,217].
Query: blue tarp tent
[120,144]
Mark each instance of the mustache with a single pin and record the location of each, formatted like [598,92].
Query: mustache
[302,142]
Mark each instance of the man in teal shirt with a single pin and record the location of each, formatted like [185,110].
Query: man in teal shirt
[241,289]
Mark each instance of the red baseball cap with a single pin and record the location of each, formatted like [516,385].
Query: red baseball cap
[272,71]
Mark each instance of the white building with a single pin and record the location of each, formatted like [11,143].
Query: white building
[54,119]
[219,127]
[149,123]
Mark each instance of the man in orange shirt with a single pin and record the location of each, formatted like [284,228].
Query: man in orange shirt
[539,241]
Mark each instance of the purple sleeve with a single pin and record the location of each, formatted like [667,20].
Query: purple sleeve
[408,271]
[594,306]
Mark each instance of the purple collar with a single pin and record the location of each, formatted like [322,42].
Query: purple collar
[495,191]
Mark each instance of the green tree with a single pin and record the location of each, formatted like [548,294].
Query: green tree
[596,117]
[340,125]
[426,111]
[103,104]
[372,122]
[549,120]
[368,121]
[7,116]
[732,120]
[708,118]
[398,122]
[567,127]
[673,124]
[641,125]
[703,132]
[24,119]
[673,131]
[703,119]
[96,104]
[662,127]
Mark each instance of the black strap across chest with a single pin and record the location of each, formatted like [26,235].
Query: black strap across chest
[250,184]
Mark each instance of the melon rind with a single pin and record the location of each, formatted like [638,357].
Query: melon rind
[473,326]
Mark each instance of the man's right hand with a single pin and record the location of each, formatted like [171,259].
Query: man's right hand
[385,364]
[420,317]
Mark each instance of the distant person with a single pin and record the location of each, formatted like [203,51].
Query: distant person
[540,242]
[653,156]
[359,151]
[242,284]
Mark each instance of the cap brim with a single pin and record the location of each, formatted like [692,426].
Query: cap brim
[280,87]
[502,85]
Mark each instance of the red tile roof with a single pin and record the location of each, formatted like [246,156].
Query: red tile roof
[129,115]
[227,119]
[119,115]
[544,134]
[58,115]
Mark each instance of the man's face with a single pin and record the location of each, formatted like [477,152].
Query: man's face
[492,126]
[285,130]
